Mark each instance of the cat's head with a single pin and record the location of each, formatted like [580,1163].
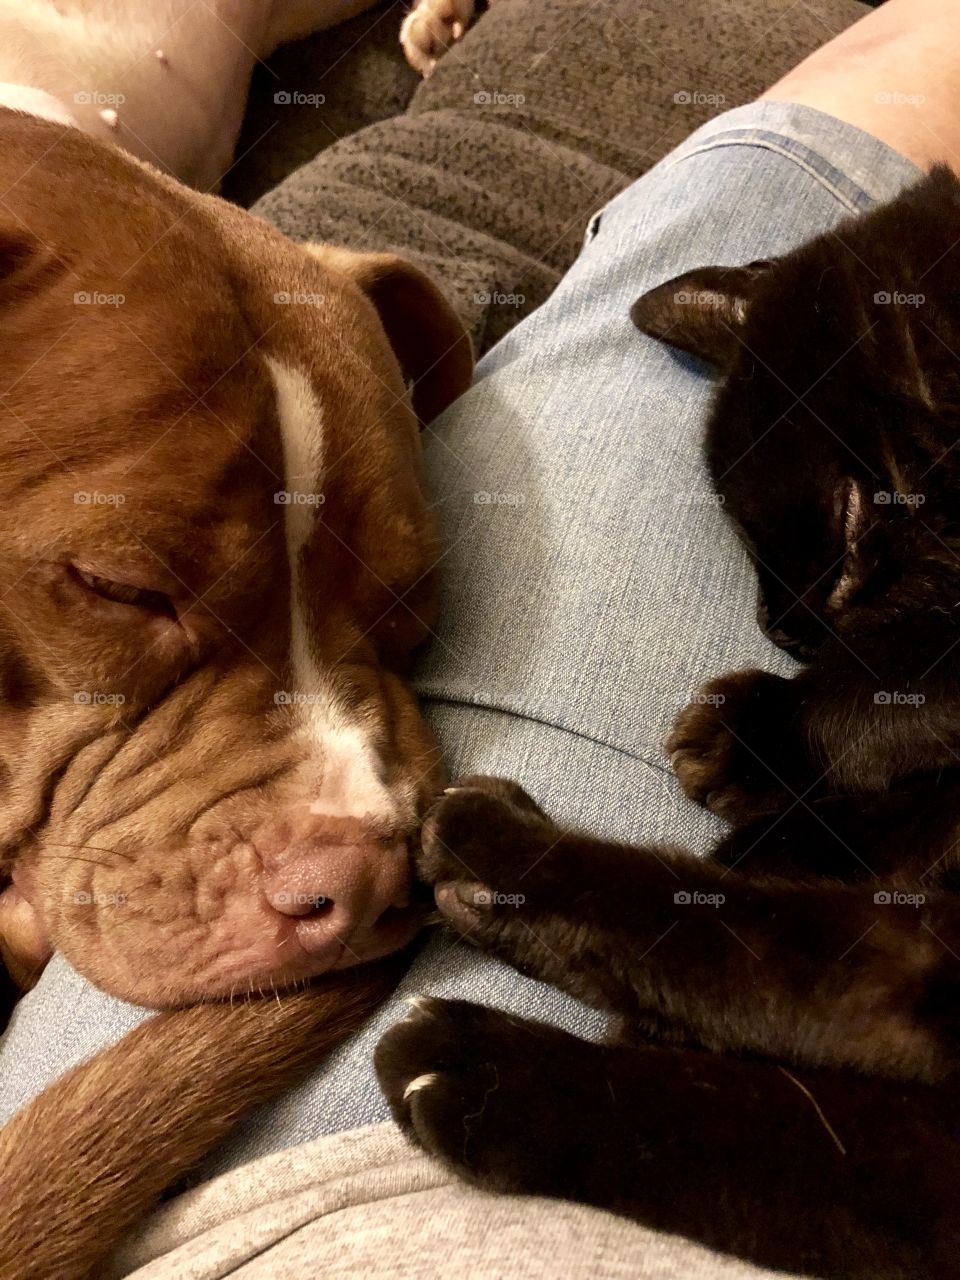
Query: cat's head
[834,436]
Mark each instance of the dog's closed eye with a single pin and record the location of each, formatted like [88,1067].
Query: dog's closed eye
[126,593]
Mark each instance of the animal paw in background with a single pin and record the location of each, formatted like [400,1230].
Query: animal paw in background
[431,28]
[722,740]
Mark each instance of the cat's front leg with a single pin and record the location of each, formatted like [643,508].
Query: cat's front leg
[560,906]
[810,1172]
[501,871]
[513,882]
[743,962]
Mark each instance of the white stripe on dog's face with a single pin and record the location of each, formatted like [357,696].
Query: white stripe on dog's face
[351,784]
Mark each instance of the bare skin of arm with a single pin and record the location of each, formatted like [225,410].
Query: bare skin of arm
[895,74]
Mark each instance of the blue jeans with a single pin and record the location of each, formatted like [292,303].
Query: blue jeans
[591,581]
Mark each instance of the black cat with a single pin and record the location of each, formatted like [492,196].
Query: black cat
[784,1084]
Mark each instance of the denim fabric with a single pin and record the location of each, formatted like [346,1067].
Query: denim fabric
[591,581]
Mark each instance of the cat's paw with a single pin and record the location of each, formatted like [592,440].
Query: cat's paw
[717,746]
[495,863]
[483,830]
[431,28]
[485,1092]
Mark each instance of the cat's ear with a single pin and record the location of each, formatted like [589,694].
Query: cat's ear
[703,312]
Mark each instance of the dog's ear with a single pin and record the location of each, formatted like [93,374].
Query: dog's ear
[428,337]
[703,312]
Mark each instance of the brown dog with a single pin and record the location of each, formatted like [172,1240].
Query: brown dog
[217,561]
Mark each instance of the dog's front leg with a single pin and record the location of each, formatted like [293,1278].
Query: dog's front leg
[24,949]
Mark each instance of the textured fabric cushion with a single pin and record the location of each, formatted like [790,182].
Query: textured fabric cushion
[544,111]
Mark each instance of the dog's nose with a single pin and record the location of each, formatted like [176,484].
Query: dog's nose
[293,891]
[347,886]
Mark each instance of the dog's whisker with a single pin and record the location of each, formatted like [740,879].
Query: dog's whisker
[97,848]
[73,857]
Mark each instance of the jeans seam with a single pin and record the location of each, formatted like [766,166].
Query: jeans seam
[639,757]
[788,153]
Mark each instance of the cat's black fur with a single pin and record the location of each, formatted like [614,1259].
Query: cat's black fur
[785,1082]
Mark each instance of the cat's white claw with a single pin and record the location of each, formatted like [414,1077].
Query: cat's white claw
[421,1082]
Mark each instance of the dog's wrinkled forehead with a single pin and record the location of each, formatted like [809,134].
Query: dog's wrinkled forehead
[204,404]
[160,394]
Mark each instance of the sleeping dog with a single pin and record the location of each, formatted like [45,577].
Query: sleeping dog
[217,560]
[217,554]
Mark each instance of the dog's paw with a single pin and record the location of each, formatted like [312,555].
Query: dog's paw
[467,1083]
[716,747]
[431,28]
[478,842]
[24,946]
